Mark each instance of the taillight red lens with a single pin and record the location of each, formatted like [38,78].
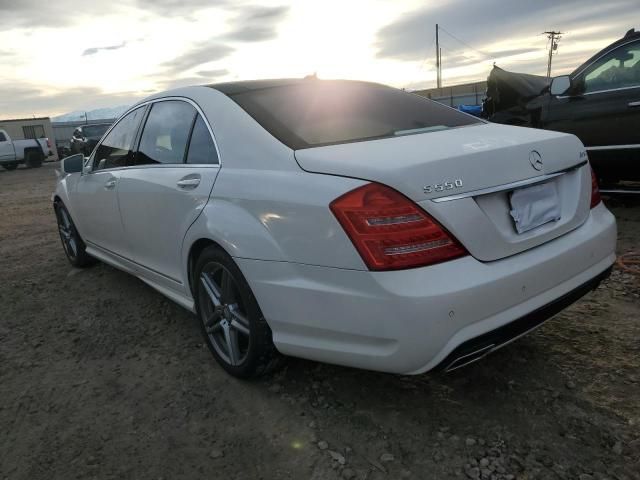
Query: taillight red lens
[390,231]
[48,143]
[595,190]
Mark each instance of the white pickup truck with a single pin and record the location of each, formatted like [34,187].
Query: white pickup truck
[31,152]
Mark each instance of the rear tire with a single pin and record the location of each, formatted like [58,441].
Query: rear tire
[230,318]
[74,247]
[10,166]
[33,158]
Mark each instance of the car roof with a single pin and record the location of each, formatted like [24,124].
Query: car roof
[232,88]
[630,36]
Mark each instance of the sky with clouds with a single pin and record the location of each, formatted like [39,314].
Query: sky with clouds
[63,55]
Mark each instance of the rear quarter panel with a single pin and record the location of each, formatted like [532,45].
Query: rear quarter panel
[277,216]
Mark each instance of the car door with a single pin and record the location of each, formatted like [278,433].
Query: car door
[95,200]
[604,110]
[6,147]
[161,196]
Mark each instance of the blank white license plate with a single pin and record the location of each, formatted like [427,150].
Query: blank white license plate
[534,206]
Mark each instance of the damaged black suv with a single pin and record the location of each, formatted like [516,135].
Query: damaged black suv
[599,103]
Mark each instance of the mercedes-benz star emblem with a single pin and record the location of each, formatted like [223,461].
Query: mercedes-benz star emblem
[535,159]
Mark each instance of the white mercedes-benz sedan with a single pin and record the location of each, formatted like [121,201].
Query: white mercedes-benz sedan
[339,221]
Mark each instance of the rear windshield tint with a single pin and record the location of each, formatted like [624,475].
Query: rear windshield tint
[320,112]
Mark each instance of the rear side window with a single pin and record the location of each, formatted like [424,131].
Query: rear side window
[166,133]
[116,150]
[321,112]
[201,148]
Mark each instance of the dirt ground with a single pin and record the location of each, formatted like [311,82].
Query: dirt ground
[102,377]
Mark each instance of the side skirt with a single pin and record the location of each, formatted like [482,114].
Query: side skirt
[127,266]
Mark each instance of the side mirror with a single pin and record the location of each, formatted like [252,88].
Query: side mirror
[73,163]
[560,85]
[87,166]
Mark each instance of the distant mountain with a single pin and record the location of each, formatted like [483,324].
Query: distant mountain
[97,114]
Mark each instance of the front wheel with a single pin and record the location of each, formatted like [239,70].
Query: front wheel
[10,166]
[74,247]
[230,319]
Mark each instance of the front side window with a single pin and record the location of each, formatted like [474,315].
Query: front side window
[116,150]
[325,112]
[619,68]
[2,137]
[166,133]
[201,147]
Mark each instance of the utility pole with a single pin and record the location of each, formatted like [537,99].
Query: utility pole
[438,59]
[440,54]
[554,38]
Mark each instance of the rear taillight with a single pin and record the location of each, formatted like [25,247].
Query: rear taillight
[48,143]
[595,190]
[390,231]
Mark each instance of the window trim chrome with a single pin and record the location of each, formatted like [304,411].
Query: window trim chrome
[598,91]
[614,147]
[507,186]
[162,165]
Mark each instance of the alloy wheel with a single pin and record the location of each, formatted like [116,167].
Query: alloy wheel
[222,312]
[67,233]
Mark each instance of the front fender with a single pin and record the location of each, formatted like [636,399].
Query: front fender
[65,187]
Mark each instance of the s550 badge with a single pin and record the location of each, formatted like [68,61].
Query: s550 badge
[441,187]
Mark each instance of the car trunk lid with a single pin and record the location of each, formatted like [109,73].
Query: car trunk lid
[463,178]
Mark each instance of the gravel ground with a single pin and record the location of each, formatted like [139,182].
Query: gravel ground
[101,377]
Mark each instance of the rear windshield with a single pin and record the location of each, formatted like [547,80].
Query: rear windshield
[320,112]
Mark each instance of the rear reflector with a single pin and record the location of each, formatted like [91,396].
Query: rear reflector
[390,231]
[595,190]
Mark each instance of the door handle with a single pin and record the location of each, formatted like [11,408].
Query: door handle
[188,182]
[110,184]
[634,104]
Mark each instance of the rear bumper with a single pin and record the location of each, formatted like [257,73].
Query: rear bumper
[412,321]
[477,348]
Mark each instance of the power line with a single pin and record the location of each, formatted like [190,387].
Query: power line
[422,64]
[486,55]
[439,49]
